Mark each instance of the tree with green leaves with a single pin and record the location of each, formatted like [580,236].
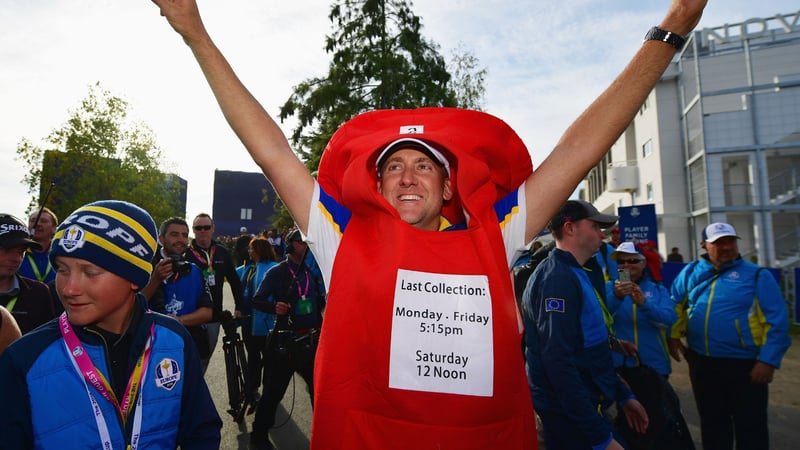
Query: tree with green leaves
[99,154]
[380,60]
[468,81]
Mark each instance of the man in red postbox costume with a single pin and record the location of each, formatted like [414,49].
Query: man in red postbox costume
[415,221]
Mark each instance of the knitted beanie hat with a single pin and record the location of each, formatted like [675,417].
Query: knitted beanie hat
[118,236]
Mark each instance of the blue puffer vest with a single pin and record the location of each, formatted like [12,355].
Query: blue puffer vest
[61,406]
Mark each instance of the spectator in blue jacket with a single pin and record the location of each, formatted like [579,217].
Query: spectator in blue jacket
[567,335]
[734,319]
[256,324]
[108,373]
[642,310]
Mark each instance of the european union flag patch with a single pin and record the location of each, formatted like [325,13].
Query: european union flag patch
[554,305]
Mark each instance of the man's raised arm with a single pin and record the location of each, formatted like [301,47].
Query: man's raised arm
[258,132]
[595,131]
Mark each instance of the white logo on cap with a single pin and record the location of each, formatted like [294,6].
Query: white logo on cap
[412,129]
[10,227]
[73,238]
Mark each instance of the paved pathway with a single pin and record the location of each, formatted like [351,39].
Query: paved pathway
[784,409]
[291,436]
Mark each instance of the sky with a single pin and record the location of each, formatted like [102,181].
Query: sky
[545,61]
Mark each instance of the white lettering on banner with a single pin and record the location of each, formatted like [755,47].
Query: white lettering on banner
[442,338]
[640,233]
[750,28]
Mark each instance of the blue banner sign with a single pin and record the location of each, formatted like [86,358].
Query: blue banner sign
[638,222]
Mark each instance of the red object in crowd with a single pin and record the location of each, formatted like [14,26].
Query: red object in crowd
[650,252]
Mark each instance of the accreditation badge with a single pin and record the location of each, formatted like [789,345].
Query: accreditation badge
[209,276]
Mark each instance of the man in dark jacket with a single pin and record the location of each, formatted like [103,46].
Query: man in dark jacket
[217,266]
[567,336]
[28,300]
[296,295]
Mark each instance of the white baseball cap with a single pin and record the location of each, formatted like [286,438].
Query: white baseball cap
[625,248]
[415,144]
[718,230]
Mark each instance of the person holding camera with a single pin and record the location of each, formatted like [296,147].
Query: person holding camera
[177,287]
[642,310]
[292,292]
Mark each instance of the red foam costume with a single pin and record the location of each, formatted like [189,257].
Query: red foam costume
[355,407]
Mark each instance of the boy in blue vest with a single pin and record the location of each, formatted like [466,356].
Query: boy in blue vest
[108,373]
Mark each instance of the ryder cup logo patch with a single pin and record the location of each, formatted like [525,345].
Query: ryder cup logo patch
[74,237]
[167,374]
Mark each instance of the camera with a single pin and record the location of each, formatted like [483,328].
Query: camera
[624,275]
[283,341]
[180,265]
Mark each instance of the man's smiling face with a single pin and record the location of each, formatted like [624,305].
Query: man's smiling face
[175,239]
[415,186]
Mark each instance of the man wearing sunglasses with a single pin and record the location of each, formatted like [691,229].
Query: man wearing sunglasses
[217,266]
[642,310]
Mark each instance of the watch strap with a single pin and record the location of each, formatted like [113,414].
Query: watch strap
[673,39]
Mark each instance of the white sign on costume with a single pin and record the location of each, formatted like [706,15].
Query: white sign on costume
[442,338]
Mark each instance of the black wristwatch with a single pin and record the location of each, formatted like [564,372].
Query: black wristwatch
[657,34]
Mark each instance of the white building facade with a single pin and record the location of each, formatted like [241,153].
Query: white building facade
[718,140]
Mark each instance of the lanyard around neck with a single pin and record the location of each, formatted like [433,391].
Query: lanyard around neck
[608,319]
[304,292]
[35,268]
[11,303]
[91,376]
[208,258]
[251,273]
